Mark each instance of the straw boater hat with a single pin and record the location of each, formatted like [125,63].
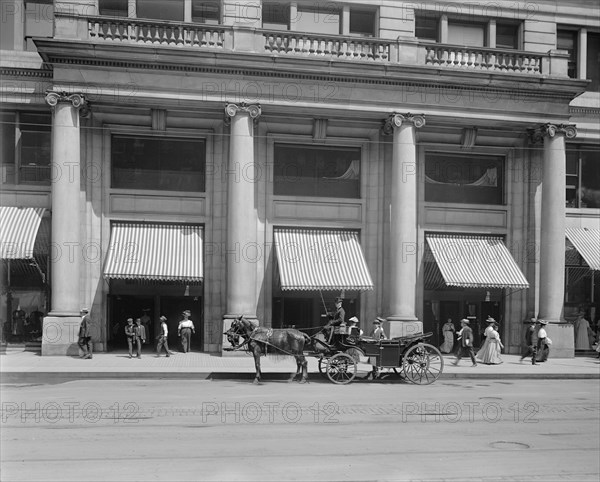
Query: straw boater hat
[490,320]
[465,321]
[187,312]
[129,319]
[542,322]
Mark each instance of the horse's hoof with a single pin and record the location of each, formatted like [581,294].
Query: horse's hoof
[256,382]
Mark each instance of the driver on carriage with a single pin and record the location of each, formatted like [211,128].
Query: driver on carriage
[336,318]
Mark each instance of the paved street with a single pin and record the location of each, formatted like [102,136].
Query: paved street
[526,430]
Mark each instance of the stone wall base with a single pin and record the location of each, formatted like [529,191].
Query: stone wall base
[394,328]
[59,335]
[563,340]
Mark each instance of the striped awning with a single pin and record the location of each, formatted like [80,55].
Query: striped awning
[475,261]
[163,252]
[320,259]
[18,231]
[587,243]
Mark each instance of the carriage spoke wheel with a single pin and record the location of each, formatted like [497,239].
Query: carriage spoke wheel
[323,367]
[422,364]
[355,353]
[341,369]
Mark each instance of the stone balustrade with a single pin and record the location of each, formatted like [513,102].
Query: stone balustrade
[155,32]
[405,51]
[476,58]
[326,46]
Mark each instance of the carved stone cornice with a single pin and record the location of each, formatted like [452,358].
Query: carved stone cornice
[538,134]
[231,110]
[78,101]
[396,120]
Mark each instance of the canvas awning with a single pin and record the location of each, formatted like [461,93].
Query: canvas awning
[472,261]
[159,252]
[587,244]
[19,229]
[320,259]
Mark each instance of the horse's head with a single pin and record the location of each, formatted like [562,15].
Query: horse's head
[239,327]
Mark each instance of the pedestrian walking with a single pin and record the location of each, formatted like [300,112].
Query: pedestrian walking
[489,353]
[543,342]
[530,342]
[465,342]
[185,330]
[139,335]
[130,335]
[162,342]
[85,334]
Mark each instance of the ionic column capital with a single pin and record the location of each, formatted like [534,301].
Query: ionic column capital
[231,110]
[396,120]
[78,101]
[538,134]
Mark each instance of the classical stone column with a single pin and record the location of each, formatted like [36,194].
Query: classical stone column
[403,225]
[552,237]
[242,247]
[61,324]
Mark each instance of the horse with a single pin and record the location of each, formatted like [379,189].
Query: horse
[262,341]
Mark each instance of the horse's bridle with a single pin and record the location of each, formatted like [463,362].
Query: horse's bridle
[236,330]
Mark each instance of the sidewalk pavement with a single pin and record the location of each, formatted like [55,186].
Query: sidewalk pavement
[26,367]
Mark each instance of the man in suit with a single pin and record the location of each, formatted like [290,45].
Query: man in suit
[465,339]
[130,335]
[85,334]
[139,335]
[531,342]
[336,318]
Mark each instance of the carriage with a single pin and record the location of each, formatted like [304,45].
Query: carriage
[340,355]
[408,357]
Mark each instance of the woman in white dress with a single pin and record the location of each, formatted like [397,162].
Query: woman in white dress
[582,332]
[489,353]
[448,331]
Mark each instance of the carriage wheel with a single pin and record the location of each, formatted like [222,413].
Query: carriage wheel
[355,353]
[422,364]
[323,367]
[341,369]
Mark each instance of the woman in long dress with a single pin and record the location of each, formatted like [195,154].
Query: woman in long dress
[582,332]
[490,351]
[448,333]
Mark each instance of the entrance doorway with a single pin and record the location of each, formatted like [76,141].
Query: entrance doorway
[121,307]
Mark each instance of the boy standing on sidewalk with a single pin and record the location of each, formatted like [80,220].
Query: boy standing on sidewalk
[129,334]
[139,334]
[465,339]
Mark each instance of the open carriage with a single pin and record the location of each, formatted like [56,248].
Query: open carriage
[409,357]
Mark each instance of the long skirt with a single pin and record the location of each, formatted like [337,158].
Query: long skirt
[489,353]
[448,344]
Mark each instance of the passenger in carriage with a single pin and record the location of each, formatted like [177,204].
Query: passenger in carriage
[353,328]
[378,332]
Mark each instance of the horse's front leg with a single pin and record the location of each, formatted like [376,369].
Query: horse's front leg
[298,369]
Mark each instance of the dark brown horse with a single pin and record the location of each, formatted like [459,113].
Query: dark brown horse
[267,341]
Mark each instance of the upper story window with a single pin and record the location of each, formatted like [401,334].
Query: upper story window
[317,171]
[576,41]
[464,178]
[583,177]
[202,11]
[428,26]
[321,18]
[158,163]
[25,142]
[113,8]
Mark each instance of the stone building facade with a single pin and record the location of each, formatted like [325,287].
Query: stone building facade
[425,161]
